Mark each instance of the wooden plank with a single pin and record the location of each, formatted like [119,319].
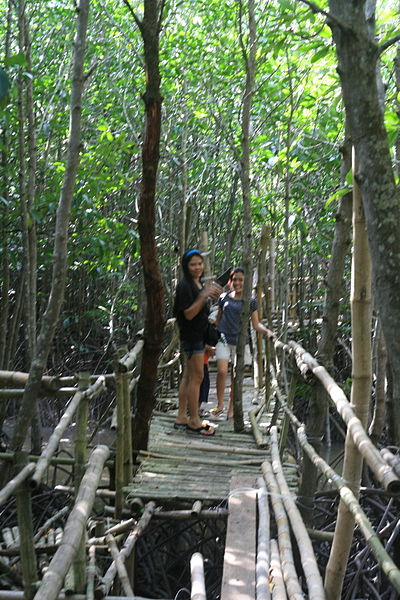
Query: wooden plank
[238,579]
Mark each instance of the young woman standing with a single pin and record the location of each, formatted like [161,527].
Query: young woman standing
[191,311]
[227,322]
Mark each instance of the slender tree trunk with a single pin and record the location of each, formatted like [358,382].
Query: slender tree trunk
[5,267]
[250,64]
[360,394]
[358,54]
[155,318]
[50,318]
[379,415]
[318,402]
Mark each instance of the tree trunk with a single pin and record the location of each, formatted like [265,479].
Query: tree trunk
[357,59]
[155,318]
[250,65]
[50,318]
[318,401]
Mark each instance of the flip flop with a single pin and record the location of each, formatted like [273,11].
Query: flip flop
[216,412]
[180,426]
[199,430]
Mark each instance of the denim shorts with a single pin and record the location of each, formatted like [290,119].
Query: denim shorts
[190,348]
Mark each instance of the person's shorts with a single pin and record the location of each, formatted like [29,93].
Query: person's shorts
[190,348]
[228,352]
[225,352]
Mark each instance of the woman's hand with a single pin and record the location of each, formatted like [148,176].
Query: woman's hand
[212,290]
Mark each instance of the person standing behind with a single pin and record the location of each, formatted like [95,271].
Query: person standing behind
[191,311]
[227,322]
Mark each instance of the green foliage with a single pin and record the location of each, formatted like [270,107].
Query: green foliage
[297,126]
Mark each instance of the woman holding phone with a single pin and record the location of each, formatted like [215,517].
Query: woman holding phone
[191,311]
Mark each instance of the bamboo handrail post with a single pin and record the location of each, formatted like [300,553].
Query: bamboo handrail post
[46,457]
[74,528]
[127,424]
[25,524]
[198,591]
[263,551]
[285,421]
[80,454]
[120,440]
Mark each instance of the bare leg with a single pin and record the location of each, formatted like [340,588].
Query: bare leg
[230,407]
[222,372]
[189,394]
[182,406]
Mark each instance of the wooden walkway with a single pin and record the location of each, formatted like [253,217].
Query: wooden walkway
[181,468]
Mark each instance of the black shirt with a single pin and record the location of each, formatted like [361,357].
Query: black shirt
[195,329]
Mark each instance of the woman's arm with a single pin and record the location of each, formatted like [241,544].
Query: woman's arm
[258,326]
[211,290]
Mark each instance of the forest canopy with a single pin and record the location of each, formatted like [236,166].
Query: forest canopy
[297,134]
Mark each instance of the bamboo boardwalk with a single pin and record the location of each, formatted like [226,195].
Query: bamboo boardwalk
[180,468]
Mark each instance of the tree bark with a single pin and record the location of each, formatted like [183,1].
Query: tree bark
[357,59]
[50,318]
[250,65]
[318,401]
[155,317]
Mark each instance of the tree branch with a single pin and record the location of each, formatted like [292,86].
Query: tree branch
[321,11]
[388,43]
[137,20]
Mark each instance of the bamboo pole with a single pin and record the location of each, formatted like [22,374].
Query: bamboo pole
[131,357]
[198,591]
[203,446]
[108,579]
[361,291]
[257,433]
[119,563]
[15,595]
[15,482]
[25,524]
[194,459]
[277,582]
[382,471]
[127,424]
[263,552]
[80,454]
[313,577]
[74,528]
[371,537]
[91,573]
[285,547]
[121,429]
[52,445]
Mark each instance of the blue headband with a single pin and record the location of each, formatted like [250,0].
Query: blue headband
[190,252]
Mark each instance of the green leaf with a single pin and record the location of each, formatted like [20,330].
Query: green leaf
[16,59]
[337,195]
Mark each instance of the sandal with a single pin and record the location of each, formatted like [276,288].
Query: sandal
[204,430]
[180,426]
[216,412]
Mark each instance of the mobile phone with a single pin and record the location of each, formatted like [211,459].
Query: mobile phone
[224,278]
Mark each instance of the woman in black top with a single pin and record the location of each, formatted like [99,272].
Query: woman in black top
[191,312]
